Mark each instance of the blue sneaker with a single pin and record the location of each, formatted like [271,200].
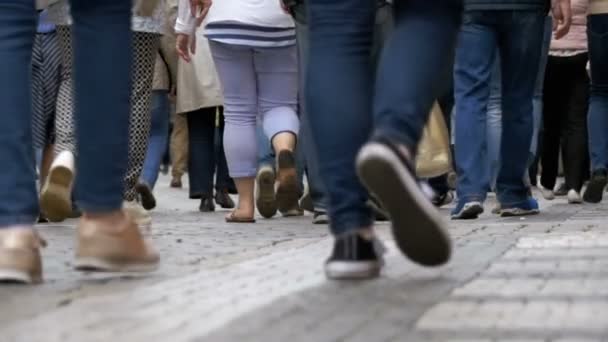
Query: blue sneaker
[525,208]
[467,210]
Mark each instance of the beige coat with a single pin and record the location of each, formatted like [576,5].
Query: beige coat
[198,85]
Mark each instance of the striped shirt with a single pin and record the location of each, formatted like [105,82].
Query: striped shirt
[250,35]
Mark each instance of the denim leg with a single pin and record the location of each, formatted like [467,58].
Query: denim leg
[18,197]
[201,164]
[494,124]
[520,45]
[473,69]
[103,38]
[306,145]
[222,178]
[339,102]
[265,153]
[159,130]
[537,101]
[597,31]
[406,87]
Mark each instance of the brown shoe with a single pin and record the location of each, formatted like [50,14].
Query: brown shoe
[121,250]
[176,182]
[20,260]
[287,189]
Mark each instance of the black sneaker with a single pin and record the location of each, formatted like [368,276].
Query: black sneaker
[354,257]
[595,189]
[418,228]
[148,201]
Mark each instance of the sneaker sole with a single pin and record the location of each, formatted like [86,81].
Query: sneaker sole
[55,197]
[9,276]
[416,224]
[342,270]
[266,202]
[507,213]
[470,213]
[595,191]
[148,201]
[287,192]
[91,264]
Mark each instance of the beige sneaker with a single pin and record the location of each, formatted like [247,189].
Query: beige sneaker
[56,194]
[122,250]
[140,215]
[20,260]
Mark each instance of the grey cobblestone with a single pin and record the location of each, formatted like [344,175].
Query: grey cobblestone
[543,278]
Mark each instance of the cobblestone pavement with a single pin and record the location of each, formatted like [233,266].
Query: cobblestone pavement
[542,278]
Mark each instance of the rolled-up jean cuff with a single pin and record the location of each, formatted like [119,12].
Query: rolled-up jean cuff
[244,174]
[472,198]
[19,220]
[350,223]
[100,208]
[397,138]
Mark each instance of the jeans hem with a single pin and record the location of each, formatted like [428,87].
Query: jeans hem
[471,198]
[99,208]
[351,223]
[19,220]
[397,137]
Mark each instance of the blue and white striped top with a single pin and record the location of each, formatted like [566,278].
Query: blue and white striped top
[250,35]
[258,23]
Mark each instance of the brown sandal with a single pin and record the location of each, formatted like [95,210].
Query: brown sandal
[232,218]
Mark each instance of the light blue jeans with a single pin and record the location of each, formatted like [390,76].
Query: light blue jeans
[257,82]
[159,134]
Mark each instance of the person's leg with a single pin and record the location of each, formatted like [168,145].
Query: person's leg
[224,185]
[597,27]
[201,164]
[553,113]
[179,150]
[473,72]
[575,148]
[277,84]
[537,102]
[405,92]
[236,71]
[56,193]
[19,245]
[316,189]
[109,240]
[159,128]
[520,46]
[494,124]
[145,46]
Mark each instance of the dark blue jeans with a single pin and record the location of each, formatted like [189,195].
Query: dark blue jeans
[340,87]
[597,31]
[102,37]
[206,153]
[517,36]
[159,136]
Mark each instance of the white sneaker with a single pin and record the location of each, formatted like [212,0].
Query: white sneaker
[549,195]
[56,194]
[574,197]
[137,212]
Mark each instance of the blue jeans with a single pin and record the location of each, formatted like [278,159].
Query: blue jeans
[494,123]
[517,36]
[102,34]
[597,31]
[340,88]
[159,135]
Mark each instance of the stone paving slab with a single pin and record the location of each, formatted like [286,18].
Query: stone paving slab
[541,278]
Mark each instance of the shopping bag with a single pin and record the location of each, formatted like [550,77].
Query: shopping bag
[434,157]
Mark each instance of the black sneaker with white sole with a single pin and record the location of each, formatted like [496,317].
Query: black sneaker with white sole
[417,226]
[354,257]
[596,186]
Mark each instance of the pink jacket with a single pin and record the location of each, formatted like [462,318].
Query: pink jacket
[576,39]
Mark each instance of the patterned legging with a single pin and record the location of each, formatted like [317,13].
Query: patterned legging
[145,46]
